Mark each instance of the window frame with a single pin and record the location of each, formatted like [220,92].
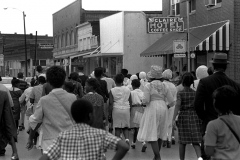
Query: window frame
[175,7]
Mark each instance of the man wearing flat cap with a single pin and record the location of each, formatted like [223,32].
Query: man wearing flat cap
[203,100]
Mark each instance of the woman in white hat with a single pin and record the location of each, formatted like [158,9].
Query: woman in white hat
[153,125]
[201,72]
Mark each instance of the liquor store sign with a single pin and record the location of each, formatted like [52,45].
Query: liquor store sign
[165,24]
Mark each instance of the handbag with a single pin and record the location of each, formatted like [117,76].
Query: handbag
[234,133]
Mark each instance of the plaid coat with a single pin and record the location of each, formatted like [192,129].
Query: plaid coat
[189,125]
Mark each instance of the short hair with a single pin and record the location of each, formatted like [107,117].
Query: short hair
[80,110]
[42,79]
[136,83]
[225,99]
[93,82]
[98,72]
[119,78]
[20,75]
[32,83]
[218,66]
[187,79]
[210,71]
[39,69]
[124,72]
[74,76]
[15,82]
[69,86]
[56,76]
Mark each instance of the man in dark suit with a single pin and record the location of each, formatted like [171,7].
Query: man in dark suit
[203,100]
[8,130]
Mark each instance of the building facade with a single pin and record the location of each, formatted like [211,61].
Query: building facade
[71,40]
[213,28]
[123,36]
[13,48]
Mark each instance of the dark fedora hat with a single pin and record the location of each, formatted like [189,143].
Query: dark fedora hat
[220,58]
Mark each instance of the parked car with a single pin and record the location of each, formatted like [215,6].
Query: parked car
[6,81]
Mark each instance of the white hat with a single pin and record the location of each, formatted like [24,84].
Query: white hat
[167,74]
[201,72]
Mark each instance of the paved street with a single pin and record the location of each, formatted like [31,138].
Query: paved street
[166,153]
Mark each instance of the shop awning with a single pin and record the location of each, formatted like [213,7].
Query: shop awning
[103,55]
[211,37]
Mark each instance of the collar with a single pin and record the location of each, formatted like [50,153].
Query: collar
[21,79]
[81,125]
[80,74]
[57,89]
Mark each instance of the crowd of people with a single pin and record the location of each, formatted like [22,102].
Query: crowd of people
[75,116]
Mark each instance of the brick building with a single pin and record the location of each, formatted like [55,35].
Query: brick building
[68,39]
[12,46]
[214,27]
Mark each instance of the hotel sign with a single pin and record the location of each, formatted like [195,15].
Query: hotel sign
[165,24]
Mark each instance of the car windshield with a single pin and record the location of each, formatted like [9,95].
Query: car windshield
[6,81]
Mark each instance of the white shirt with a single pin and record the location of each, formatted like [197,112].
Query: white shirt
[137,96]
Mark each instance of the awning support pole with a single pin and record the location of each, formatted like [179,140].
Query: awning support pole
[188,36]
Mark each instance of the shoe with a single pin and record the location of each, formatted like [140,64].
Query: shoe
[14,157]
[21,127]
[144,147]
[200,158]
[168,144]
[127,141]
[133,145]
[2,154]
[164,144]
[173,141]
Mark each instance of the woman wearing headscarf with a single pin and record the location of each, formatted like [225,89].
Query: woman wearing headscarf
[130,81]
[143,79]
[167,75]
[153,125]
[201,72]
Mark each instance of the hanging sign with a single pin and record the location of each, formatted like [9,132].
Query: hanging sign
[165,24]
[192,55]
[178,55]
[179,46]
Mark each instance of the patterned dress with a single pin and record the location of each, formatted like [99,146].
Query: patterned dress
[189,125]
[98,109]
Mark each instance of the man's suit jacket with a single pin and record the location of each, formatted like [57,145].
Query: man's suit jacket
[7,123]
[204,102]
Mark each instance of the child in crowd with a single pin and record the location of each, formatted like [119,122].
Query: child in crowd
[137,97]
[220,140]
[189,125]
[83,141]
[97,101]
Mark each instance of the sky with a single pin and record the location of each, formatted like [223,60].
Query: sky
[39,12]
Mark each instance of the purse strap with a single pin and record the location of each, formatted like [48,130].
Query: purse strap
[234,133]
[64,107]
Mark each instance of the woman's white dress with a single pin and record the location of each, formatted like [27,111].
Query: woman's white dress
[121,107]
[153,124]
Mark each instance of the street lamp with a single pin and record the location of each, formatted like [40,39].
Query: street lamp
[25,39]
